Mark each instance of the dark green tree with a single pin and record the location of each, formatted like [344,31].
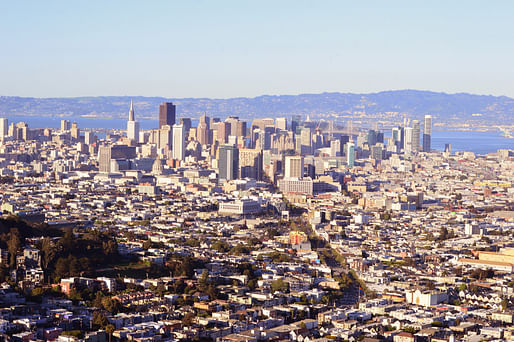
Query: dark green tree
[48,252]
[13,246]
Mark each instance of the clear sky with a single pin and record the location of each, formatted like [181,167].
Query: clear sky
[248,48]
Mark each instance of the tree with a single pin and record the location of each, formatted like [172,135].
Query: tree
[109,328]
[220,246]
[111,305]
[13,245]
[99,319]
[48,252]
[4,272]
[204,278]
[97,301]
[252,284]
[240,249]
[129,235]
[192,242]
[443,233]
[279,285]
[110,247]
[147,244]
[67,241]
[61,268]
[188,319]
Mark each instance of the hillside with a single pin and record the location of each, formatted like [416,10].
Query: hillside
[385,105]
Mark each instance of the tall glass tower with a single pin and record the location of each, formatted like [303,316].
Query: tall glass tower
[427,133]
[350,154]
[228,163]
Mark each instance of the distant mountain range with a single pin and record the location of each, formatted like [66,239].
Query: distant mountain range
[386,106]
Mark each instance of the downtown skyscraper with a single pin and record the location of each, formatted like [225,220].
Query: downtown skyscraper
[167,114]
[132,125]
[228,163]
[427,133]
[179,134]
[416,132]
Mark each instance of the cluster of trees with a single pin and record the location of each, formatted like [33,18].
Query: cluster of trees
[14,232]
[239,249]
[75,256]
[445,235]
[62,254]
[279,257]
[482,274]
[279,285]
[329,255]
[249,270]
[179,265]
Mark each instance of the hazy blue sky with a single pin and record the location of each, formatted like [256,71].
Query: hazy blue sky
[249,48]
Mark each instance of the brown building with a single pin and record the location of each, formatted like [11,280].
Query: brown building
[223,132]
[167,112]
[250,164]
[202,131]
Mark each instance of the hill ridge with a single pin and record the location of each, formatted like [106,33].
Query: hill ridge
[410,102]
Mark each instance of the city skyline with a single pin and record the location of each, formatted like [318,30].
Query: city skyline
[341,214]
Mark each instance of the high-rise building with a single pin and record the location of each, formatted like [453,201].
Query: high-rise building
[350,154]
[306,141]
[75,132]
[397,137]
[372,137]
[293,167]
[239,130]
[262,123]
[22,132]
[121,153]
[427,133]
[89,138]
[202,131]
[179,134]
[318,140]
[228,163]
[281,123]
[250,163]
[166,137]
[104,158]
[295,123]
[416,132]
[263,141]
[376,152]
[132,125]
[223,132]
[408,147]
[187,126]
[167,112]
[237,126]
[65,125]
[12,130]
[335,148]
[4,127]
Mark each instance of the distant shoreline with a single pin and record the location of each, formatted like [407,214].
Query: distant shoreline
[506,131]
